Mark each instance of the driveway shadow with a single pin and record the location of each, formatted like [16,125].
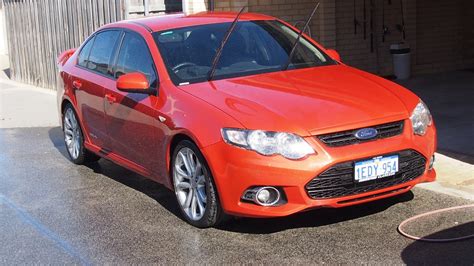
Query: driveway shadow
[57,138]
[122,175]
[312,218]
[166,198]
[452,253]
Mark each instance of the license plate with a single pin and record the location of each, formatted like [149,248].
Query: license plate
[375,168]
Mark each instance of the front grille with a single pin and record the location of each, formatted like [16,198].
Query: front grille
[343,138]
[338,180]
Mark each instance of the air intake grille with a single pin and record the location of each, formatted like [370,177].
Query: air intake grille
[348,137]
[338,180]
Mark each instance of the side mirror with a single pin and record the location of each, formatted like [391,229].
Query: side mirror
[333,54]
[133,82]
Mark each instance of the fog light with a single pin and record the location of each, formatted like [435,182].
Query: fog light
[432,161]
[267,196]
[264,196]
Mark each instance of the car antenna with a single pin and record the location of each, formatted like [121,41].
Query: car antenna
[221,47]
[293,48]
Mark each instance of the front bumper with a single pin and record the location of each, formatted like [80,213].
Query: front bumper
[235,170]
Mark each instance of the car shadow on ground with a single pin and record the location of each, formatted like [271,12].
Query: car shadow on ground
[310,218]
[56,137]
[122,175]
[451,253]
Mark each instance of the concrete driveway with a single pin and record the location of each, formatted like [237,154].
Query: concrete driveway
[54,212]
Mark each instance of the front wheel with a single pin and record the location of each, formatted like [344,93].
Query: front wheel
[194,187]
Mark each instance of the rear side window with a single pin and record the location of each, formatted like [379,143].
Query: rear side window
[83,57]
[102,50]
[134,56]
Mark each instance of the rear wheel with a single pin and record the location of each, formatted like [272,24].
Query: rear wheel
[194,187]
[74,138]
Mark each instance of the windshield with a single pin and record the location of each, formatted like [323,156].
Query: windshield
[254,47]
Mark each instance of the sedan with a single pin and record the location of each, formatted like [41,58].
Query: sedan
[241,117]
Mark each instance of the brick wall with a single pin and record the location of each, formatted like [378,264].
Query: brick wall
[333,27]
[440,33]
[445,35]
[357,51]
[322,27]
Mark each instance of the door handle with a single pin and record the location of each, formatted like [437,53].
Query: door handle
[76,84]
[110,98]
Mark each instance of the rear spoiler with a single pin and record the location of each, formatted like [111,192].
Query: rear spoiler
[64,56]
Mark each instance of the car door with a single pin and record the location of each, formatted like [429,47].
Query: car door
[132,124]
[92,75]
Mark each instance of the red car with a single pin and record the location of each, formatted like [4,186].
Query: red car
[237,124]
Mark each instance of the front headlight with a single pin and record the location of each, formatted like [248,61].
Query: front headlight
[420,118]
[288,145]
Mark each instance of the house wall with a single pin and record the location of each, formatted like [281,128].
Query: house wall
[439,33]
[136,8]
[193,6]
[370,51]
[445,35]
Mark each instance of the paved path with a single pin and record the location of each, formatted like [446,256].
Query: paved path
[26,106]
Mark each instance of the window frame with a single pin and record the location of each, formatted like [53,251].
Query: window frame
[120,30]
[90,39]
[176,82]
[119,47]
[115,54]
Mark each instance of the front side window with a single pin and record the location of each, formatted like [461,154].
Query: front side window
[134,56]
[254,47]
[101,52]
[83,57]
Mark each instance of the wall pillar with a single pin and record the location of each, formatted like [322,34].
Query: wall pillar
[3,32]
[194,6]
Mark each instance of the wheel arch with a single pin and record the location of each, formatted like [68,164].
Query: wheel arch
[174,141]
[64,102]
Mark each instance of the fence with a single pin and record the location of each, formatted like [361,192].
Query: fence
[38,30]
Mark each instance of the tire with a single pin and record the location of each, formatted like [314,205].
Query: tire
[198,181]
[74,138]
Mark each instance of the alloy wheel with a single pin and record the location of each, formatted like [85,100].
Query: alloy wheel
[190,184]
[72,134]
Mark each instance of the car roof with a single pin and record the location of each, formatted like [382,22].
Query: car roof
[180,20]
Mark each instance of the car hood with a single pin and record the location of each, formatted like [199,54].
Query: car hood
[307,101]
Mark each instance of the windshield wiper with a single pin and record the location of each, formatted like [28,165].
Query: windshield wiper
[224,41]
[293,48]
